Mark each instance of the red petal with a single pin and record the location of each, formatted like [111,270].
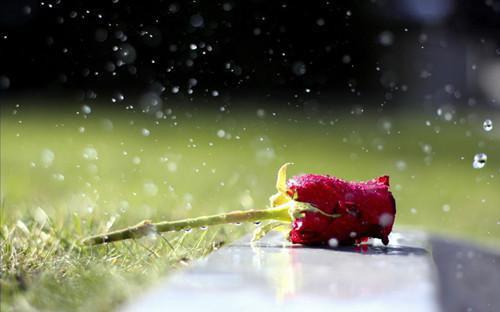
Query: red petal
[367,209]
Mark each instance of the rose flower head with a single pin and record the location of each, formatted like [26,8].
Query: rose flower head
[332,208]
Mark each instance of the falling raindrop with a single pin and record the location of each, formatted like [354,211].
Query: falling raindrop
[221,133]
[90,153]
[386,38]
[299,68]
[126,54]
[333,242]
[487,125]
[150,189]
[4,82]
[86,109]
[117,97]
[151,103]
[197,21]
[47,157]
[401,165]
[479,161]
[58,177]
[136,160]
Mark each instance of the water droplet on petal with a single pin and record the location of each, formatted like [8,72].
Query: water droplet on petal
[385,219]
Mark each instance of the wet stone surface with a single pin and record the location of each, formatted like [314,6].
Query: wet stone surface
[273,275]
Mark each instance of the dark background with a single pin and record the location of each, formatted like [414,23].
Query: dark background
[419,50]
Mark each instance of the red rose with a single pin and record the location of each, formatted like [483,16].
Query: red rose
[319,208]
[364,209]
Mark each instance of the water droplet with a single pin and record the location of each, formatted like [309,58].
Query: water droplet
[47,157]
[413,210]
[136,160]
[446,208]
[145,132]
[117,97]
[86,109]
[385,219]
[479,161]
[346,59]
[487,125]
[150,189]
[197,21]
[4,82]
[426,148]
[401,165]
[333,242]
[221,133]
[151,103]
[257,223]
[172,166]
[261,113]
[246,201]
[203,227]
[126,54]
[58,177]
[90,153]
[124,205]
[299,68]
[386,38]
[188,230]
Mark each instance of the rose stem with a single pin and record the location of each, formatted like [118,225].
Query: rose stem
[144,228]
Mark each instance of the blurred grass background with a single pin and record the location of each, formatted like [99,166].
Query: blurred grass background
[66,175]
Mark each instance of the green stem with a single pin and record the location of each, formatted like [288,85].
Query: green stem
[144,228]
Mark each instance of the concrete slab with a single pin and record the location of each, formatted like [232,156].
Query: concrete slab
[274,275]
[469,276]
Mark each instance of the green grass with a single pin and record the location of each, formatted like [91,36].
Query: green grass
[183,168]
